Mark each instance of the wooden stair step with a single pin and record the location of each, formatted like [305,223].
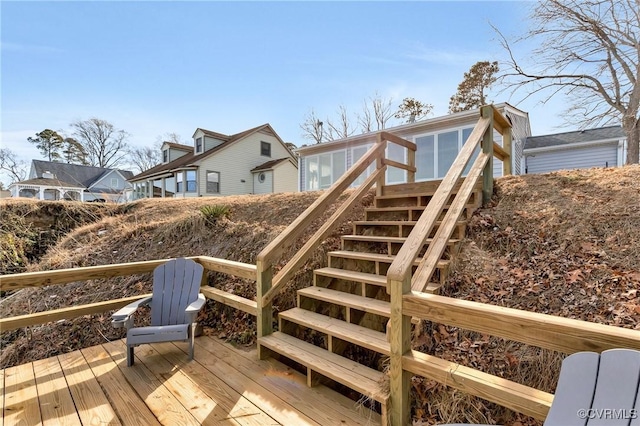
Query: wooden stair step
[356,376]
[360,277]
[353,301]
[385,239]
[396,222]
[353,333]
[376,257]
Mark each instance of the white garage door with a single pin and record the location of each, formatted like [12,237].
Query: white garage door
[577,158]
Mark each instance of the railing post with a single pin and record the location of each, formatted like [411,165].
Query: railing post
[487,147]
[507,146]
[400,343]
[264,318]
[379,163]
[411,161]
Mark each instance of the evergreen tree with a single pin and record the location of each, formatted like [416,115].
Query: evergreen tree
[471,91]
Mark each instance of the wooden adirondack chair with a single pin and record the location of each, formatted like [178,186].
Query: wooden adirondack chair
[597,389]
[175,304]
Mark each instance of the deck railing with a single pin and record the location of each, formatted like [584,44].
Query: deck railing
[64,276]
[269,286]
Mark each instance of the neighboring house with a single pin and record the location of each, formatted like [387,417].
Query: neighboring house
[601,147]
[255,161]
[438,142]
[61,181]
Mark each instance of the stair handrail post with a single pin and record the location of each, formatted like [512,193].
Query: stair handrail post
[399,345]
[487,147]
[380,162]
[507,166]
[264,317]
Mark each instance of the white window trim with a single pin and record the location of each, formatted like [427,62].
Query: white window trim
[369,169]
[435,134]
[306,171]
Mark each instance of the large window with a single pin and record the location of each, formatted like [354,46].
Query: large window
[191,181]
[324,169]
[396,153]
[179,182]
[356,154]
[265,149]
[437,152]
[213,182]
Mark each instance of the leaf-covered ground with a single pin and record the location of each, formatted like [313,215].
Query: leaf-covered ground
[566,243]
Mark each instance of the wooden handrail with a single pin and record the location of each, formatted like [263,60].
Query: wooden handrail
[398,165]
[401,266]
[64,276]
[398,141]
[541,330]
[439,242]
[276,247]
[500,153]
[303,254]
[500,122]
[37,318]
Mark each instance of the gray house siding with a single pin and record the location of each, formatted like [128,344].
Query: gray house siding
[520,130]
[605,155]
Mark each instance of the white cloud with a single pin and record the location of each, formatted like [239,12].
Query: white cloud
[6,46]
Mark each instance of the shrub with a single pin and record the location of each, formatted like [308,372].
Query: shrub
[213,212]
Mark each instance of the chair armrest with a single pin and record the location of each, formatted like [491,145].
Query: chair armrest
[119,318]
[195,306]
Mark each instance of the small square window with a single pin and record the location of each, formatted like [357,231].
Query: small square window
[199,145]
[265,149]
[114,182]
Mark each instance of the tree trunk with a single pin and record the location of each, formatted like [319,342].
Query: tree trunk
[631,126]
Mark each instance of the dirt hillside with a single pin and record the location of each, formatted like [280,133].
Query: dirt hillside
[566,243]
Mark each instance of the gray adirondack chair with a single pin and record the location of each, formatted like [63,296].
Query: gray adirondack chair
[175,304]
[597,389]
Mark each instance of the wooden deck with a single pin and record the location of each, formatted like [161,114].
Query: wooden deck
[223,385]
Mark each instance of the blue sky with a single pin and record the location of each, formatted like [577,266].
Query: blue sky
[156,67]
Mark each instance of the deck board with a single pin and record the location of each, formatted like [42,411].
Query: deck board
[223,385]
[21,396]
[56,403]
[127,404]
[92,404]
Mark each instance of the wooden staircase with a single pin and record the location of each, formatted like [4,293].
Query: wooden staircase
[343,316]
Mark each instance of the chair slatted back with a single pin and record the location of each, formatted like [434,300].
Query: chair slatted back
[176,284]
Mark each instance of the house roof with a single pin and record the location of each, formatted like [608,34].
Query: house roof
[48,182]
[78,175]
[425,125]
[212,134]
[269,164]
[191,159]
[579,136]
[179,146]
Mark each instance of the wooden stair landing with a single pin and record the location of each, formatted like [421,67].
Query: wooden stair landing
[223,385]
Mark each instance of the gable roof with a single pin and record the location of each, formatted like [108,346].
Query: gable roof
[48,182]
[579,136]
[191,159]
[212,134]
[269,164]
[179,146]
[74,173]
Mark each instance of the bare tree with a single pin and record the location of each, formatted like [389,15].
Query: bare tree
[12,166]
[342,127]
[105,145]
[471,91]
[590,51]
[312,127]
[365,120]
[413,109]
[146,157]
[172,137]
[382,112]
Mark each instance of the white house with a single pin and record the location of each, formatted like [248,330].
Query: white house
[438,142]
[50,180]
[601,147]
[255,161]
